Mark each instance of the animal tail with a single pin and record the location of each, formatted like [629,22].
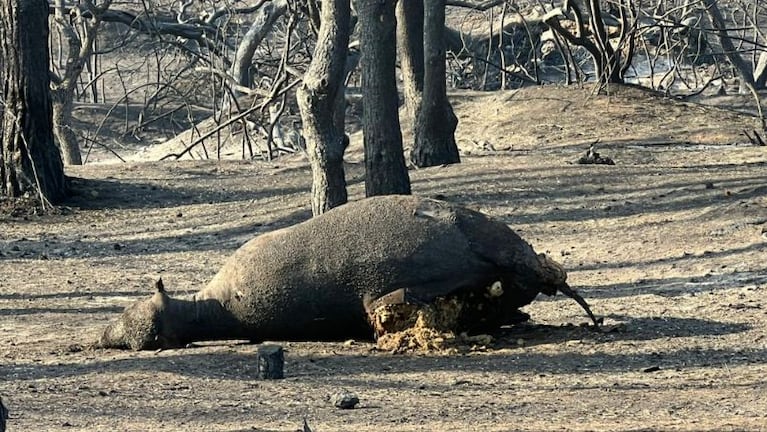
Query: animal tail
[566,290]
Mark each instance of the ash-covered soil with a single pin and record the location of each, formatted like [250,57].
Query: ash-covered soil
[668,245]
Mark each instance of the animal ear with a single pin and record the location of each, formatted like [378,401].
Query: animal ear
[160,297]
[159,286]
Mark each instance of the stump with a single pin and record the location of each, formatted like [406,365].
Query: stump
[3,415]
[271,360]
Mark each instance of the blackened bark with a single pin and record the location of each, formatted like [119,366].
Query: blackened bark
[321,101]
[31,163]
[436,123]
[385,168]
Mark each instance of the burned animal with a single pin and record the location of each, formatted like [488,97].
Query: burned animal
[326,278]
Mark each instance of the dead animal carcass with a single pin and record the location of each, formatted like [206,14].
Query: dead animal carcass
[343,274]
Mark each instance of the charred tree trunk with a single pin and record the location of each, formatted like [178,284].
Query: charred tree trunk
[321,101]
[410,47]
[733,55]
[609,64]
[436,122]
[385,170]
[30,162]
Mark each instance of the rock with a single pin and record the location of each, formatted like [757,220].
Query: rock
[591,157]
[345,400]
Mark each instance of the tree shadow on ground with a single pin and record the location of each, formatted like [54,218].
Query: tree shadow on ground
[71,295]
[674,286]
[225,239]
[56,310]
[100,194]
[619,328]
[506,356]
[587,194]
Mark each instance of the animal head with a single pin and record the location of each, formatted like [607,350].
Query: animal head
[552,275]
[141,326]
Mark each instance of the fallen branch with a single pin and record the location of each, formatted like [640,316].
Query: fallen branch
[231,121]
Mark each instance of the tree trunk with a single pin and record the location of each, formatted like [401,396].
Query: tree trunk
[436,122]
[62,127]
[608,64]
[733,55]
[760,72]
[63,89]
[259,29]
[321,101]
[385,168]
[30,163]
[410,47]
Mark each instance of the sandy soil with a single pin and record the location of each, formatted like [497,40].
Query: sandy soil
[668,245]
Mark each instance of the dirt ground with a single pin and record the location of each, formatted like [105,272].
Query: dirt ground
[668,245]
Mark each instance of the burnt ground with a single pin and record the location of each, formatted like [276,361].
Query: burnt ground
[668,245]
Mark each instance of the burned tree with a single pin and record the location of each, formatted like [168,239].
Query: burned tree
[435,121]
[30,162]
[258,31]
[742,68]
[321,100]
[592,32]
[410,48]
[80,48]
[385,168]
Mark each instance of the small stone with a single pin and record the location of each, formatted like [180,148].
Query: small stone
[74,348]
[117,246]
[346,400]
[480,339]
